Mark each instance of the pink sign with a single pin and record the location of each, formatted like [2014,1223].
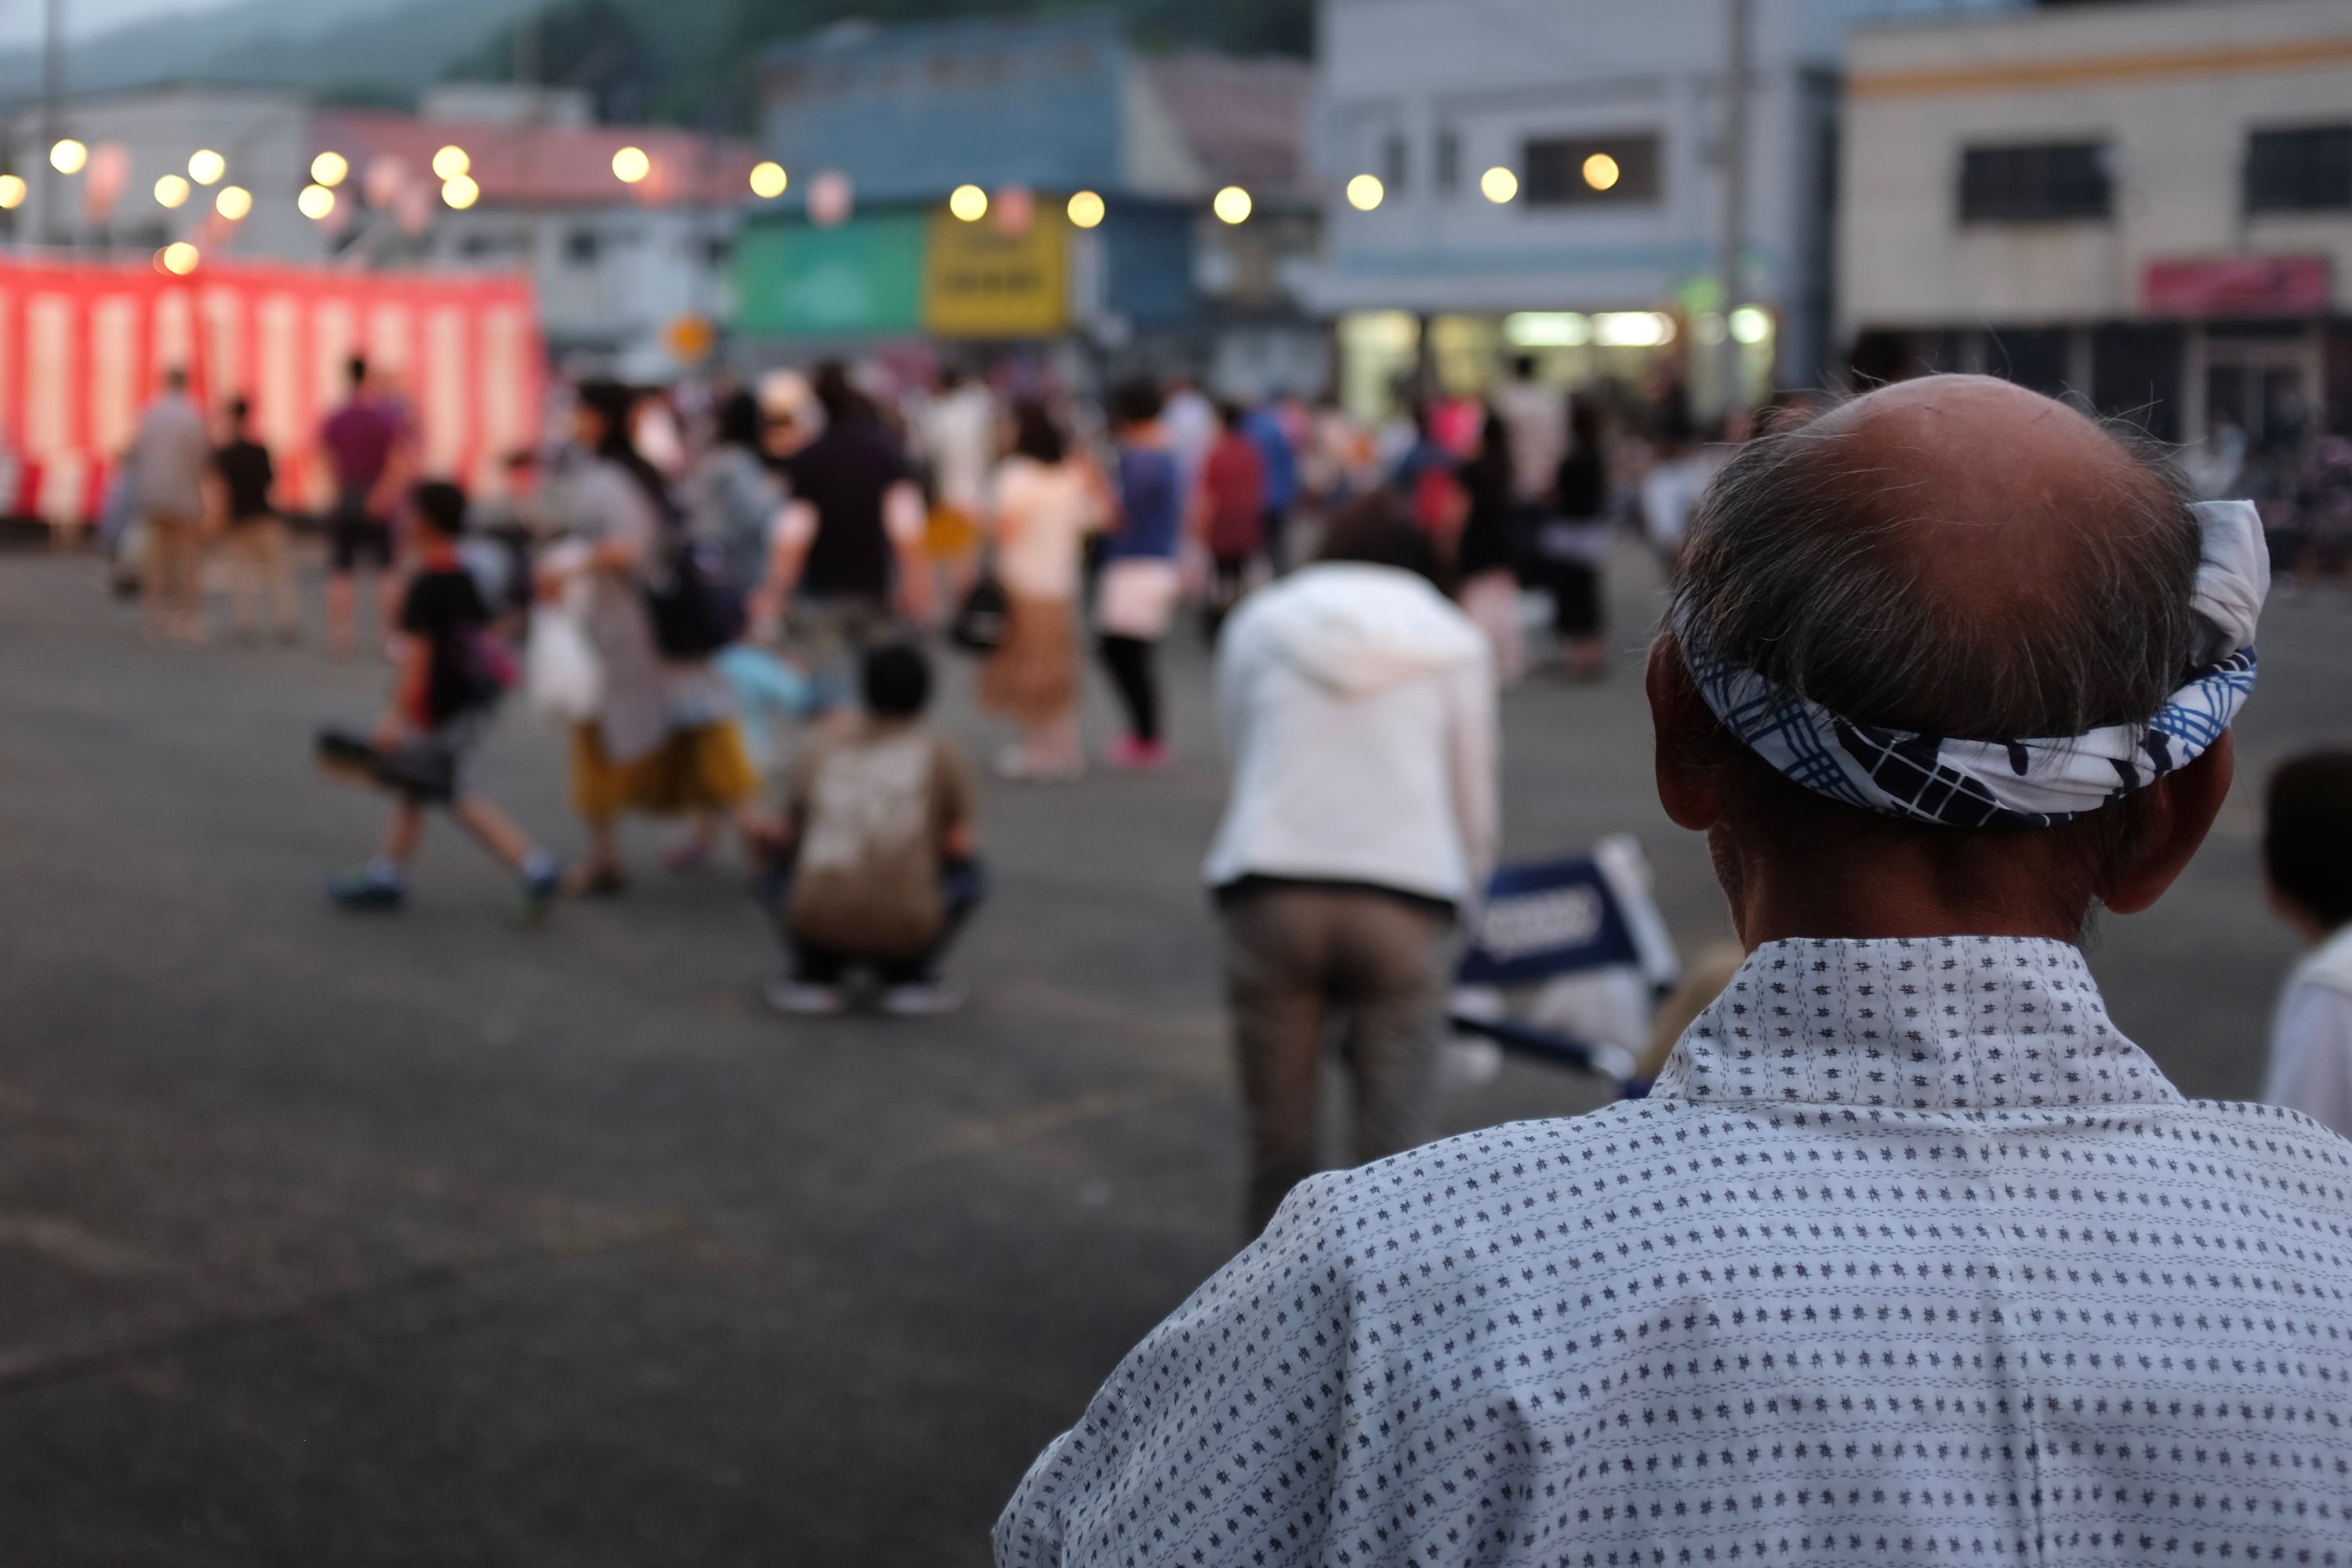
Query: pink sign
[2237,286]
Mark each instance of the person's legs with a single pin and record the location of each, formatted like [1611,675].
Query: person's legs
[404,832]
[1128,662]
[1276,944]
[170,575]
[1492,599]
[187,607]
[240,555]
[1276,529]
[274,554]
[1146,694]
[382,883]
[384,584]
[1227,576]
[1393,962]
[963,887]
[493,829]
[345,526]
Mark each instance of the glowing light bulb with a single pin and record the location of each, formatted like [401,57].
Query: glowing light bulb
[171,190]
[461,192]
[12,192]
[1498,185]
[1365,192]
[631,164]
[328,169]
[969,202]
[233,202]
[68,156]
[179,259]
[207,166]
[1086,209]
[769,180]
[1601,171]
[1232,205]
[315,202]
[452,162]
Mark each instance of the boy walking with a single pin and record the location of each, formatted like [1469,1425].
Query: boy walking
[448,683]
[877,868]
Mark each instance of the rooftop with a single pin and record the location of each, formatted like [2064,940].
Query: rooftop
[549,165]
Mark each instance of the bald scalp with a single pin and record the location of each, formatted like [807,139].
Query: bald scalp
[1954,555]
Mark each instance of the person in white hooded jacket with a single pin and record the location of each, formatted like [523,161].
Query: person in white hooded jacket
[1358,705]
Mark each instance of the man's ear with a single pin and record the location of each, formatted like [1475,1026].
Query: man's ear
[1679,723]
[2177,812]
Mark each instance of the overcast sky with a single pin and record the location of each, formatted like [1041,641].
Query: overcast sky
[20,20]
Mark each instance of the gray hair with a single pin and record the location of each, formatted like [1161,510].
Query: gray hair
[1808,570]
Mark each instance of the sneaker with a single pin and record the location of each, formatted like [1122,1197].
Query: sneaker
[363,889]
[538,894]
[802,1000]
[1131,755]
[927,999]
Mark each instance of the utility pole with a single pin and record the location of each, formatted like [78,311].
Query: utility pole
[52,88]
[1738,48]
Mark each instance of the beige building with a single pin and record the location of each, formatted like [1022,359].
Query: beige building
[2148,204]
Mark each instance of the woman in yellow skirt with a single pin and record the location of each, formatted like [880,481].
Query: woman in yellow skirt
[664,741]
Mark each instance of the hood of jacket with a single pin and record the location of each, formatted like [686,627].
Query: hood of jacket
[1358,629]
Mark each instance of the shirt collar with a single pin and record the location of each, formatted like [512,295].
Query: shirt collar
[1956,1023]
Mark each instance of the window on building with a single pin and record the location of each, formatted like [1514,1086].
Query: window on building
[2308,169]
[1618,170]
[1393,155]
[1446,167]
[475,246]
[581,247]
[2042,183]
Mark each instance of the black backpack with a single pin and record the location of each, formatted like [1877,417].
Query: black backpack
[695,611]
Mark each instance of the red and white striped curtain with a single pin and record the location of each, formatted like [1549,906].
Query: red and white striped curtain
[83,347]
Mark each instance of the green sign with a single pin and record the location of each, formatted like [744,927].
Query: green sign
[795,279]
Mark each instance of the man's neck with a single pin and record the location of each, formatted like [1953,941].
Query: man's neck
[1894,893]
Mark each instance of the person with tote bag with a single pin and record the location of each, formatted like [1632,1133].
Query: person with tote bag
[1136,600]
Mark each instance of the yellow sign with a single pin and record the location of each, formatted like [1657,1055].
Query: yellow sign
[979,281]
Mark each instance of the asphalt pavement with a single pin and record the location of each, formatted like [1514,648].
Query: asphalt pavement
[418,1240]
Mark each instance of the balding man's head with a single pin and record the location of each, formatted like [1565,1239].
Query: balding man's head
[1953,555]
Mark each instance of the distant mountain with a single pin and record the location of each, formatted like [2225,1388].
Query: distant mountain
[340,47]
[684,60]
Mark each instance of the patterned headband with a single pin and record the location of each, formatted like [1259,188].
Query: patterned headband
[2036,782]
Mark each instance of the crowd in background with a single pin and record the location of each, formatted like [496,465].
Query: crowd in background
[725,593]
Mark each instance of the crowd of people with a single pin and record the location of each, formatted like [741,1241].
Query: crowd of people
[719,590]
[1917,777]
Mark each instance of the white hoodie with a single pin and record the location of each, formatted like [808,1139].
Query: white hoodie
[1359,707]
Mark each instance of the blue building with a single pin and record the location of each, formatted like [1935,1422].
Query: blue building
[880,128]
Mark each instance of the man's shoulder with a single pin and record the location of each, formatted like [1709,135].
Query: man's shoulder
[2223,1125]
[1530,1180]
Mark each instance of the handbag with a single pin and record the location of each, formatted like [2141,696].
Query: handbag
[559,669]
[1137,597]
[985,618]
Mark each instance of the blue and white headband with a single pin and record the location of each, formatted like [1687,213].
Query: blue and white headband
[2030,783]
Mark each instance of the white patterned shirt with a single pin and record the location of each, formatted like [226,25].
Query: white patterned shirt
[1911,1259]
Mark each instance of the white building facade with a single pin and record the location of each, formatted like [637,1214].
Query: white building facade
[1614,138]
[2149,206]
